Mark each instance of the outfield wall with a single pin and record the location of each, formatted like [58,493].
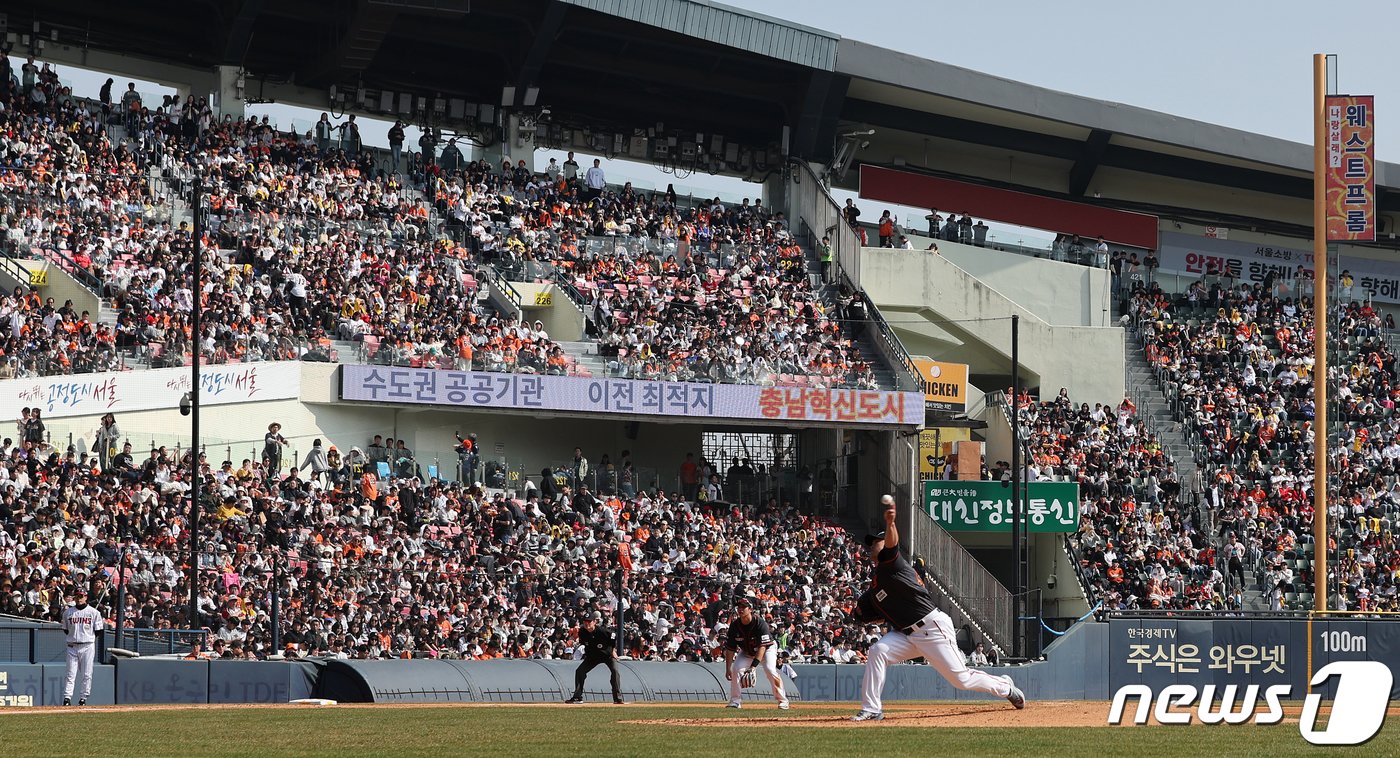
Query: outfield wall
[1090,662]
[1262,651]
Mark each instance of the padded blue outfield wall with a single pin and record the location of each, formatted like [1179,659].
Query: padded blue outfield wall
[35,684]
[1161,652]
[1090,662]
[145,681]
[1075,669]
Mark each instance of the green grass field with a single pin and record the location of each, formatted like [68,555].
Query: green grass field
[598,731]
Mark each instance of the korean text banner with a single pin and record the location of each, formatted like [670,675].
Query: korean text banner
[1351,167]
[935,445]
[128,391]
[945,384]
[1252,262]
[1161,651]
[385,384]
[986,506]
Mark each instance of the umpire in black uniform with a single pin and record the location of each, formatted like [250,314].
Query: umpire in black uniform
[599,649]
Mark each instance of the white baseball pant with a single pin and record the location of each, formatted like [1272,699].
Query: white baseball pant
[936,643]
[79,662]
[769,663]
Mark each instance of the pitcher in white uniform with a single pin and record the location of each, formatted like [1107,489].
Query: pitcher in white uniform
[898,597]
[81,623]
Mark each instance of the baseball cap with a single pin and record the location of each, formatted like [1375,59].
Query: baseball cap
[874,537]
[743,602]
[595,616]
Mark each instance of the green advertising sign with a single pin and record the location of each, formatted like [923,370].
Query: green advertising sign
[986,506]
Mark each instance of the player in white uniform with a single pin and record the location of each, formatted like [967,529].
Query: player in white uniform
[748,646]
[917,628]
[82,622]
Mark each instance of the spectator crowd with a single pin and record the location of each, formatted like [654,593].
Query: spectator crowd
[1237,362]
[1138,545]
[399,566]
[307,242]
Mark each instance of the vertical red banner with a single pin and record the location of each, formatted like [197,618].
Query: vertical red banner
[1351,167]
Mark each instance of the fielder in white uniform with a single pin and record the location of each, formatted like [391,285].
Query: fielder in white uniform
[917,628]
[750,644]
[82,622]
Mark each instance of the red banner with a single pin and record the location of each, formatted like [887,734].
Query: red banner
[1351,167]
[1009,206]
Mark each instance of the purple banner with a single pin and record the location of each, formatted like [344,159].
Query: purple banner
[391,384]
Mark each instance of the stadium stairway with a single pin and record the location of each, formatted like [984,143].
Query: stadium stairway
[585,355]
[828,295]
[1392,342]
[1156,412]
[1254,597]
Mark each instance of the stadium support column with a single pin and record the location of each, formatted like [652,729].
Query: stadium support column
[230,81]
[1017,473]
[1320,274]
[196,289]
[121,594]
[775,193]
[504,148]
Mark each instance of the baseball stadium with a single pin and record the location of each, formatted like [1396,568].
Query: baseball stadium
[664,377]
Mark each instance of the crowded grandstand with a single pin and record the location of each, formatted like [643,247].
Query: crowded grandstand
[321,249]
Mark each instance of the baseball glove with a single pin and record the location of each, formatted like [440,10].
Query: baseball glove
[748,679]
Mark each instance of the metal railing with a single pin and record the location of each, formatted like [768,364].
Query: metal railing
[1085,586]
[812,204]
[10,264]
[576,299]
[224,352]
[31,640]
[967,584]
[886,341]
[80,274]
[83,439]
[155,641]
[1156,613]
[561,280]
[506,298]
[906,375]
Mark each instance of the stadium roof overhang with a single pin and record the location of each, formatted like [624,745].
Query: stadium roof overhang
[593,67]
[1068,140]
[696,66]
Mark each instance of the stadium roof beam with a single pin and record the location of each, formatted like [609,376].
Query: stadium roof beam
[759,89]
[240,31]
[958,129]
[545,37]
[753,124]
[732,27]
[1117,156]
[357,46]
[816,121]
[1083,170]
[1161,164]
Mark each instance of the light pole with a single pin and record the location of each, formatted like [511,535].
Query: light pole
[191,405]
[1016,475]
[121,594]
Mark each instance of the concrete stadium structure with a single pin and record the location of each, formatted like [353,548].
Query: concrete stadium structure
[937,127]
